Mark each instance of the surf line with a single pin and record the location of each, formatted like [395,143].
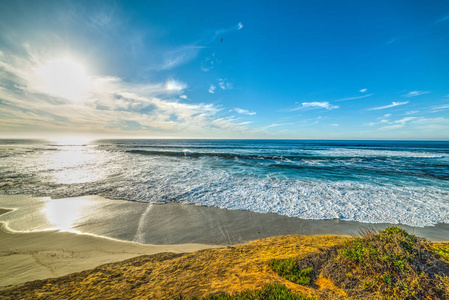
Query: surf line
[139,236]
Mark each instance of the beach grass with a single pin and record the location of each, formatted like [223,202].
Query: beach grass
[289,270]
[273,291]
[389,264]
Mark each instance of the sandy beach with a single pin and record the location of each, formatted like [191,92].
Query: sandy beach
[43,237]
[48,254]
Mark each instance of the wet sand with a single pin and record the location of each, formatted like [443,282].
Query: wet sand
[44,237]
[47,254]
[169,224]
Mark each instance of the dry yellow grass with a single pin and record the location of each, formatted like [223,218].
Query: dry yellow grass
[167,276]
[202,273]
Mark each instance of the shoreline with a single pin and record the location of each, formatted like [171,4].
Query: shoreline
[174,223]
[44,238]
[29,256]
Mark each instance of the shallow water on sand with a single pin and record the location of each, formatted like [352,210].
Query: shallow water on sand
[173,223]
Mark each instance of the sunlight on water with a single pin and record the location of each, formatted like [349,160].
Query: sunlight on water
[73,164]
[71,141]
[378,182]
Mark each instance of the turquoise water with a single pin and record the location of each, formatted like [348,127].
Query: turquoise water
[367,181]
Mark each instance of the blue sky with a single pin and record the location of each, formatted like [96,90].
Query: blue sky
[285,69]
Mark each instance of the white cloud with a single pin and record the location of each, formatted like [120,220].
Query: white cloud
[212,89]
[412,112]
[433,124]
[184,97]
[440,107]
[391,127]
[335,125]
[208,63]
[243,111]
[432,120]
[383,121]
[387,115]
[325,105]
[239,26]
[363,90]
[354,98]
[224,84]
[173,85]
[405,120]
[415,93]
[393,104]
[110,104]
[394,124]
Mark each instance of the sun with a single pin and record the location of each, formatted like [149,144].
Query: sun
[64,78]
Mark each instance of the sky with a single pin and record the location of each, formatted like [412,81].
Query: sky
[225,69]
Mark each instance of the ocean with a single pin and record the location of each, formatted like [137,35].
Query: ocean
[398,182]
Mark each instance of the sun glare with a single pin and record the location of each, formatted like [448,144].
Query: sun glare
[72,140]
[64,78]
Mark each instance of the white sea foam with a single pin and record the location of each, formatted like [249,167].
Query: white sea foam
[231,184]
[347,152]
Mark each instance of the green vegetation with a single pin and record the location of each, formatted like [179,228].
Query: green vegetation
[443,252]
[290,271]
[392,264]
[274,291]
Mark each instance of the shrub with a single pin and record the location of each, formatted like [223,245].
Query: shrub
[290,271]
[392,264]
[274,291]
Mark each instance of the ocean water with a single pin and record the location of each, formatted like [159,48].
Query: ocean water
[368,181]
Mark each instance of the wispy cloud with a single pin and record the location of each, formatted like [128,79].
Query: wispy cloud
[178,57]
[405,120]
[393,124]
[363,90]
[224,84]
[354,98]
[412,112]
[216,35]
[391,127]
[383,121]
[393,104]
[392,40]
[433,124]
[184,97]
[110,105]
[415,93]
[440,107]
[243,111]
[443,19]
[209,63]
[212,89]
[184,54]
[312,105]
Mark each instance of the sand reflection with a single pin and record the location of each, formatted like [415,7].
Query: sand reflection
[63,214]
